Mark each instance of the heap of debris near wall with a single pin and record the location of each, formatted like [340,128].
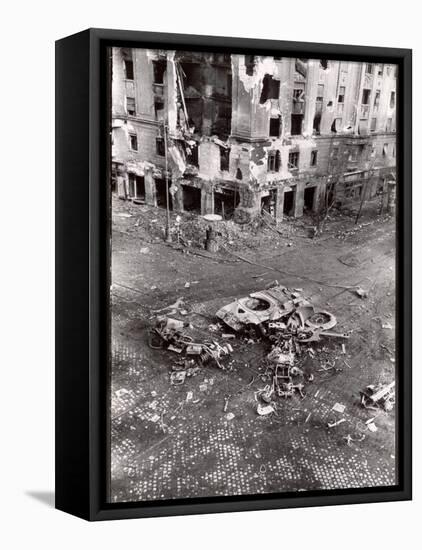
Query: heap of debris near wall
[238,135]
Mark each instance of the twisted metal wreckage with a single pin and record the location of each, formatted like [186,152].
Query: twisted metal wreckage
[279,316]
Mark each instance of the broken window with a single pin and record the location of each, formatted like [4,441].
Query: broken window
[356,152]
[192,156]
[380,70]
[294,160]
[239,175]
[159,109]
[296,129]
[270,88]
[317,123]
[224,158]
[133,140]
[249,64]
[373,126]
[392,100]
[301,66]
[128,69]
[366,94]
[299,92]
[323,63]
[377,98]
[314,158]
[160,147]
[320,93]
[275,126]
[130,106]
[369,68]
[341,94]
[159,68]
[385,150]
[274,161]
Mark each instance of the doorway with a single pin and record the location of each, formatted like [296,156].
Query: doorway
[191,199]
[160,187]
[225,203]
[309,198]
[136,187]
[289,202]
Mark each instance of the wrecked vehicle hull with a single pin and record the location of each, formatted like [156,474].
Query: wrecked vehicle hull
[265,309]
[257,308]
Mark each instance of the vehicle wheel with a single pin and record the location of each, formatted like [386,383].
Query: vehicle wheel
[323,320]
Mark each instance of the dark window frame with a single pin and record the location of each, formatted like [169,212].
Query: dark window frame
[129,102]
[293,160]
[133,141]
[129,69]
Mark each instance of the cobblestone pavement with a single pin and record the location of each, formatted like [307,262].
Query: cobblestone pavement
[178,441]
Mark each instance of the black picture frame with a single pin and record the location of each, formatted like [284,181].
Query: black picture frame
[82,281]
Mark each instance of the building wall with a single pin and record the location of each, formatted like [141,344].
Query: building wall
[323,122]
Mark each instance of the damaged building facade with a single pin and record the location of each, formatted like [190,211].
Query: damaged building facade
[237,134]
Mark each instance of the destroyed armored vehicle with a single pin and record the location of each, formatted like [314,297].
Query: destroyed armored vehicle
[267,308]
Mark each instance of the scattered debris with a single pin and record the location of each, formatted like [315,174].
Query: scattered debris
[361,292]
[229,416]
[264,410]
[379,396]
[144,250]
[372,427]
[336,423]
[189,396]
[177,378]
[387,326]
[349,439]
[338,407]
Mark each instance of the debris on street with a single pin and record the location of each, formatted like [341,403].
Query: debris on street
[379,396]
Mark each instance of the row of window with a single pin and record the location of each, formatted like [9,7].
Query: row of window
[370,69]
[159,144]
[274,160]
[159,68]
[366,95]
[358,150]
[131,107]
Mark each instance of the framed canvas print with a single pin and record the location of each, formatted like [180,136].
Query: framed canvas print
[233,274]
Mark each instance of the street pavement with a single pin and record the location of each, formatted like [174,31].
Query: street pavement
[182,441]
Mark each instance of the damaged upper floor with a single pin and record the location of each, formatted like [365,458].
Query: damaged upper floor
[251,97]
